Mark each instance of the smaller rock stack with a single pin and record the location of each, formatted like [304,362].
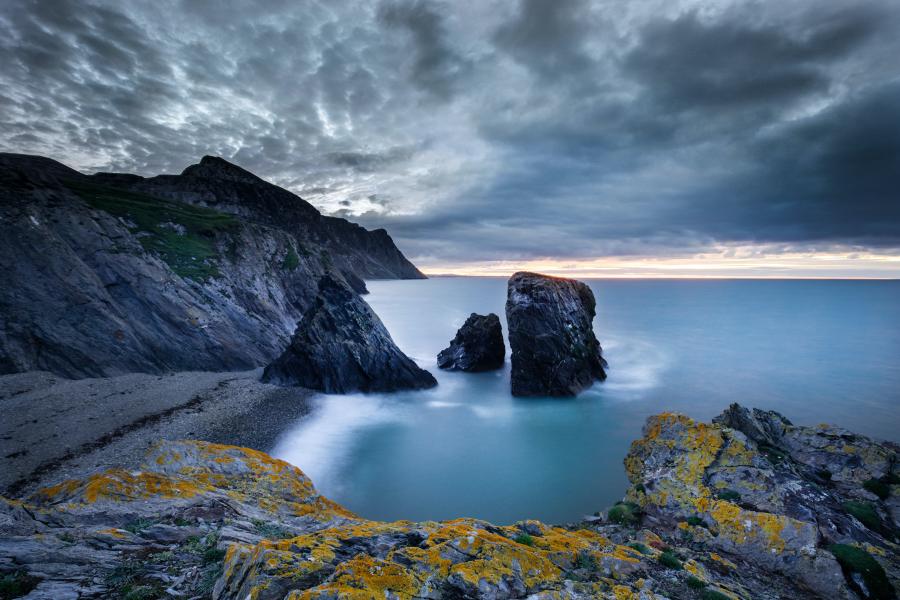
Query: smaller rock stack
[554,349]
[478,346]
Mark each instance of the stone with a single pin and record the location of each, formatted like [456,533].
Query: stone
[551,336]
[341,346]
[478,346]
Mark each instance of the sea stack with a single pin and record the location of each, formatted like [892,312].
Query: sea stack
[554,349]
[341,346]
[478,346]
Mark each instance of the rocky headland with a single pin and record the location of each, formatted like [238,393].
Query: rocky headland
[341,346]
[477,346]
[551,336]
[208,270]
[746,507]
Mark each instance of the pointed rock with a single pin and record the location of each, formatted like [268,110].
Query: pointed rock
[478,346]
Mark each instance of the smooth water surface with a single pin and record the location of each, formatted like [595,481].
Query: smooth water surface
[817,351]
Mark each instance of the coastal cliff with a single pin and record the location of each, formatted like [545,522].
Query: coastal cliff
[206,270]
[711,514]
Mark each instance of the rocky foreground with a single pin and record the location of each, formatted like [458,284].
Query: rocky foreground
[747,507]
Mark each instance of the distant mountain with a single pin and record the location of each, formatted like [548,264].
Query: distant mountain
[208,270]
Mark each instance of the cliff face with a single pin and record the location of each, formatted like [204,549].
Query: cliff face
[208,270]
[205,520]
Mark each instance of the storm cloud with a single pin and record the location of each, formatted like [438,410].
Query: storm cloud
[503,130]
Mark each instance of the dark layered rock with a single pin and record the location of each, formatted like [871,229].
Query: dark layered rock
[551,336]
[341,346]
[812,504]
[478,346]
[209,270]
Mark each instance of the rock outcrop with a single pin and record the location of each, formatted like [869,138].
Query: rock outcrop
[812,504]
[204,520]
[551,336]
[341,346]
[478,346]
[209,270]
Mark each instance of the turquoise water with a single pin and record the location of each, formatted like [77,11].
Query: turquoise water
[817,351]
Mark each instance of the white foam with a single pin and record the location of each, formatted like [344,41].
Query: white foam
[635,367]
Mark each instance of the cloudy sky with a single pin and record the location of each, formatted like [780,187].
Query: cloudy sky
[673,137]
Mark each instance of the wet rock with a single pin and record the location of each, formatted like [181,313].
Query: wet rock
[341,346]
[554,349]
[478,346]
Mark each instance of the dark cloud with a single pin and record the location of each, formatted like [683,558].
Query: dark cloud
[499,130]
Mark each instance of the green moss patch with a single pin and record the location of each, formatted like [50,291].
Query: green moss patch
[182,235]
[669,560]
[729,495]
[16,585]
[291,260]
[624,513]
[713,595]
[853,560]
[866,514]
[524,538]
[695,583]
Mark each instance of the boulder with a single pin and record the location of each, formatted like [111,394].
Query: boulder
[341,346]
[787,499]
[478,345]
[554,349]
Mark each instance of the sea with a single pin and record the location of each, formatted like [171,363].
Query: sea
[817,351]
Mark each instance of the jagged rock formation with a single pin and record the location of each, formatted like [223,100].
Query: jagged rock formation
[206,520]
[551,336]
[208,270]
[478,345]
[341,346]
[817,505]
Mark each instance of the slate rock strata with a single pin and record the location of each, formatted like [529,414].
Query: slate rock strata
[551,336]
[208,270]
[477,346]
[207,520]
[341,346]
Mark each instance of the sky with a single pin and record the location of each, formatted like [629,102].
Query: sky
[593,138]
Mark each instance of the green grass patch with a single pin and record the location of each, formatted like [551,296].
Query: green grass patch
[586,562]
[639,547]
[854,560]
[696,521]
[291,260]
[624,513]
[524,538]
[729,495]
[879,487]
[865,513]
[270,531]
[16,585]
[695,583]
[139,525]
[190,252]
[669,560]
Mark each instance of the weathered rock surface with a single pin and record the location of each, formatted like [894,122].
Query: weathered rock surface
[791,500]
[551,336]
[341,346]
[208,270]
[202,520]
[478,345]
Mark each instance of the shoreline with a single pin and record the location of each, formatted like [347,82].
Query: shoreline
[57,429]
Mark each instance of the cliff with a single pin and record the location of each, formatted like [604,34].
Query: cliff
[207,270]
[205,520]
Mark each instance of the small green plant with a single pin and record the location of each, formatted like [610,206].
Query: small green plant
[669,560]
[138,525]
[774,455]
[181,522]
[865,513]
[696,521]
[213,555]
[142,592]
[713,595]
[856,561]
[640,488]
[270,531]
[524,538]
[695,583]
[586,562]
[624,513]
[729,495]
[16,585]
[639,547]
[879,487]
[291,260]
